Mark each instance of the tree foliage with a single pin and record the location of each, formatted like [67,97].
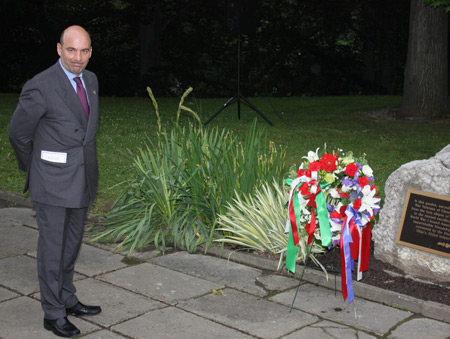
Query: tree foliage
[439,3]
[287,47]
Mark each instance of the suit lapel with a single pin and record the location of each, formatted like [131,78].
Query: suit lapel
[93,104]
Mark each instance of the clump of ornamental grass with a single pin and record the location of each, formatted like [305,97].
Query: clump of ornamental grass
[257,222]
[184,181]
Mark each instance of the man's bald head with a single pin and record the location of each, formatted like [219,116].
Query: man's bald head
[74,49]
[75,29]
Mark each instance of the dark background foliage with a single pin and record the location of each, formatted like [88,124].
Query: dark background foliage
[287,47]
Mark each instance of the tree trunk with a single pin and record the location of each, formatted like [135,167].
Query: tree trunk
[425,88]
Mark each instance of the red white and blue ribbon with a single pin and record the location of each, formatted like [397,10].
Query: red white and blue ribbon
[355,245]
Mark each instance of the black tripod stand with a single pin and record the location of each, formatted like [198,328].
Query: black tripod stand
[238,96]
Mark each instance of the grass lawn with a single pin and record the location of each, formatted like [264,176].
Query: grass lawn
[301,124]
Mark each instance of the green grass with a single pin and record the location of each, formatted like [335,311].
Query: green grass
[300,123]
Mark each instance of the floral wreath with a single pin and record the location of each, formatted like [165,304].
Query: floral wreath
[334,191]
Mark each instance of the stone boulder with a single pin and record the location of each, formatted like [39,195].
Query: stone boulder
[433,176]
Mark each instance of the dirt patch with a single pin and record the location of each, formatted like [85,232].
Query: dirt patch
[391,114]
[381,114]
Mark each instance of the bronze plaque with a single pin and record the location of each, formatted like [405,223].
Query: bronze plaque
[425,223]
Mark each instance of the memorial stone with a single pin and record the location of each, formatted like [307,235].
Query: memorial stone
[430,176]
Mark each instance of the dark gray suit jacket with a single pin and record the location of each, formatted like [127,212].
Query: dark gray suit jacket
[53,140]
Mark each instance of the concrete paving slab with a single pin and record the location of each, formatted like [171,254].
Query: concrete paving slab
[426,308]
[421,328]
[16,199]
[103,334]
[142,255]
[275,282]
[249,259]
[6,294]
[388,297]
[169,323]
[17,240]
[214,269]
[160,283]
[361,313]
[256,316]
[328,324]
[23,318]
[436,311]
[117,304]
[147,252]
[14,216]
[7,223]
[93,261]
[19,274]
[328,330]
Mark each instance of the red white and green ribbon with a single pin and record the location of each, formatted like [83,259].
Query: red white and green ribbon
[293,221]
[292,224]
[322,212]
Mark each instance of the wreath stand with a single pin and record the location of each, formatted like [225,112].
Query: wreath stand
[334,270]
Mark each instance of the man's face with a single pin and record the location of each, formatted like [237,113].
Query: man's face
[75,51]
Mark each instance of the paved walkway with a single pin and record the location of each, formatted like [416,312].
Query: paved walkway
[183,295]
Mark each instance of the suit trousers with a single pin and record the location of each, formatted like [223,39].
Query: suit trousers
[60,237]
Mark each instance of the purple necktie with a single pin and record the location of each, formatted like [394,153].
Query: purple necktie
[82,95]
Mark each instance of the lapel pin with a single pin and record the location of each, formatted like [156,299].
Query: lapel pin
[94,92]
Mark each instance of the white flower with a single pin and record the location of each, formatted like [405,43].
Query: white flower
[347,160]
[312,156]
[346,189]
[369,201]
[367,171]
[335,238]
[334,226]
[334,193]
[303,203]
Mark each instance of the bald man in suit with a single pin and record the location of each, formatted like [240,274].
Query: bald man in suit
[53,132]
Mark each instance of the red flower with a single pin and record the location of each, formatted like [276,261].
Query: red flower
[300,173]
[357,204]
[304,188]
[336,215]
[344,195]
[312,200]
[342,210]
[351,169]
[363,181]
[314,166]
[328,162]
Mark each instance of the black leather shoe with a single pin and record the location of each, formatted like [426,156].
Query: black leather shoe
[79,310]
[62,327]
